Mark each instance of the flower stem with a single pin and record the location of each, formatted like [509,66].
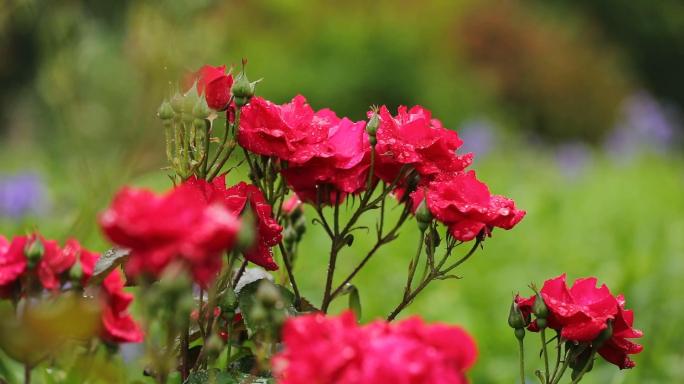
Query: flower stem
[27,374]
[522,361]
[414,264]
[288,266]
[546,355]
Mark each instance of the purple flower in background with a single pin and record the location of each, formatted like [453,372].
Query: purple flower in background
[572,159]
[21,195]
[478,137]
[644,124]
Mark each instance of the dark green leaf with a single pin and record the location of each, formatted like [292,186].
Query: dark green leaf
[109,260]
[355,301]
[256,319]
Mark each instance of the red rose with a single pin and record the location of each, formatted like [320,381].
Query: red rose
[54,263]
[86,258]
[235,199]
[179,225]
[617,349]
[320,349]
[583,311]
[118,325]
[414,138]
[466,206]
[215,84]
[12,261]
[291,131]
[340,168]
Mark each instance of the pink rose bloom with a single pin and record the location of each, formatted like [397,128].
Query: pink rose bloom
[320,349]
[415,139]
[291,132]
[581,312]
[341,168]
[466,206]
[179,225]
[235,200]
[118,325]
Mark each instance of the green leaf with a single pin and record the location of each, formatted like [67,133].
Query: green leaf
[255,315]
[355,301]
[109,260]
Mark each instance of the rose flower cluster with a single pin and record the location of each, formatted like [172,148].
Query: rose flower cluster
[192,224]
[30,264]
[582,312]
[322,350]
[328,157]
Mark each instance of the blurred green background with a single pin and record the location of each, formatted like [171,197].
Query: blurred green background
[573,109]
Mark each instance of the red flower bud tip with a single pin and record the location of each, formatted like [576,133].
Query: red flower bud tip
[215,84]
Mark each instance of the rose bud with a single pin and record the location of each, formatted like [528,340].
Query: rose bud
[515,317]
[423,216]
[34,252]
[372,128]
[243,90]
[165,111]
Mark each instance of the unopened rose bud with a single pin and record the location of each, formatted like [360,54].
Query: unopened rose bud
[228,301]
[519,333]
[372,128]
[515,317]
[423,216]
[189,101]
[76,273]
[539,307]
[177,102]
[201,109]
[541,323]
[242,90]
[165,111]
[34,252]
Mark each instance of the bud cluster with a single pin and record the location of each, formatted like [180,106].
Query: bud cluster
[187,125]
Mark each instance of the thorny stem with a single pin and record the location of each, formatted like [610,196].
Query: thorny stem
[337,237]
[215,168]
[436,273]
[239,273]
[391,235]
[414,264]
[288,266]
[334,249]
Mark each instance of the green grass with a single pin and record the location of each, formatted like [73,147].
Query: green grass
[622,222]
